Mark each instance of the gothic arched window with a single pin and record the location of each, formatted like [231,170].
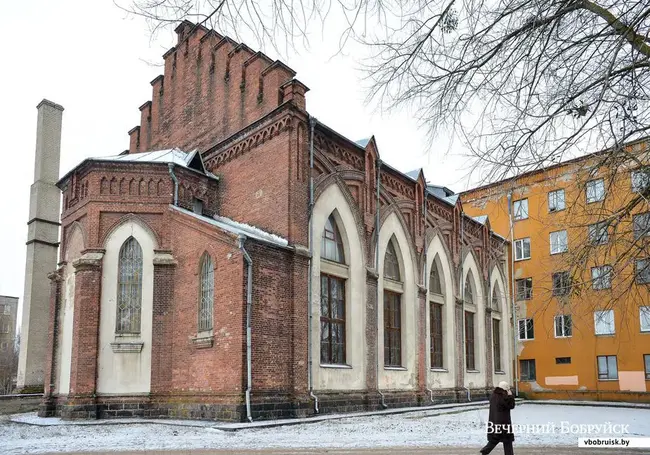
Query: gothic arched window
[129,287]
[392,308]
[331,244]
[206,293]
[435,286]
[391,263]
[496,298]
[469,293]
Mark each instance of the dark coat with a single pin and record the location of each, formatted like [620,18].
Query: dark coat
[500,405]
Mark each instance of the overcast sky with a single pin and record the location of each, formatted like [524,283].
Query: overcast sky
[95,61]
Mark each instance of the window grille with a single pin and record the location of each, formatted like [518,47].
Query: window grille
[129,289]
[206,294]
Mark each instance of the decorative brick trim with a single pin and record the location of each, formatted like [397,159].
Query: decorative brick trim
[88,261]
[202,342]
[127,346]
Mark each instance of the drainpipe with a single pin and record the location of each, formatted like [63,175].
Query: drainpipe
[378,165]
[249,309]
[173,176]
[312,123]
[425,281]
[462,301]
[513,297]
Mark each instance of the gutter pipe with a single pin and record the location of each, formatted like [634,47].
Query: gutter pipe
[173,176]
[378,164]
[425,278]
[513,298]
[310,355]
[249,309]
[462,300]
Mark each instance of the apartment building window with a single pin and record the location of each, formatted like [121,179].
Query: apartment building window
[526,329]
[642,271]
[556,201]
[598,233]
[595,190]
[197,206]
[470,360]
[646,361]
[607,367]
[640,179]
[644,318]
[559,242]
[520,209]
[562,360]
[561,283]
[563,326]
[527,370]
[522,249]
[641,225]
[601,277]
[524,288]
[604,322]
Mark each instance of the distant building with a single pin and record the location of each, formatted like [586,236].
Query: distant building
[583,332]
[8,316]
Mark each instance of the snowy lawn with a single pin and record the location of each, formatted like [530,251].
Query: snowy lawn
[547,425]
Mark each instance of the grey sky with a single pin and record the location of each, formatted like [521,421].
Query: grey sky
[93,59]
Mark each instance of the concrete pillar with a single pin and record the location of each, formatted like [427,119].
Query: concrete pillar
[42,247]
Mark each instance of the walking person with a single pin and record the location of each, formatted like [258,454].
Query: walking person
[500,424]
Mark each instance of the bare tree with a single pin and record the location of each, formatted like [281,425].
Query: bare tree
[523,83]
[8,367]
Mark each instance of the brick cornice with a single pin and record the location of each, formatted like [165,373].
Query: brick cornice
[89,261]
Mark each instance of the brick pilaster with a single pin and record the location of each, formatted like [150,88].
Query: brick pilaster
[460,344]
[422,339]
[47,407]
[88,280]
[372,310]
[164,268]
[489,351]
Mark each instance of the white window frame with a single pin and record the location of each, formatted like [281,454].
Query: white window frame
[556,244]
[605,320]
[607,364]
[520,209]
[520,244]
[526,295]
[644,318]
[601,277]
[563,318]
[528,322]
[640,179]
[591,191]
[598,233]
[554,201]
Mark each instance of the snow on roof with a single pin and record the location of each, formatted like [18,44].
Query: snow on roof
[362,142]
[481,218]
[175,156]
[238,228]
[413,175]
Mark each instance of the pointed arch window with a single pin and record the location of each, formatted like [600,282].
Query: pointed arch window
[496,298]
[435,286]
[331,243]
[470,324]
[391,263]
[469,292]
[129,287]
[206,293]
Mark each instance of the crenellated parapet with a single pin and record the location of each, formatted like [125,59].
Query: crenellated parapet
[211,88]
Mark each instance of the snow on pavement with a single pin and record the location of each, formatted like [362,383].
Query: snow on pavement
[417,429]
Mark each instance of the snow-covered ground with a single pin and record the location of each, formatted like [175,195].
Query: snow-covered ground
[546,425]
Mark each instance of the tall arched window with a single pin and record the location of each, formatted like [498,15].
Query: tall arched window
[129,287]
[331,244]
[393,290]
[206,293]
[436,315]
[470,323]
[496,327]
[332,295]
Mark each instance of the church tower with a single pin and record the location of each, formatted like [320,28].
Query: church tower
[42,247]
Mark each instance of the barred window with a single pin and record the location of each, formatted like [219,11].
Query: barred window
[206,293]
[129,287]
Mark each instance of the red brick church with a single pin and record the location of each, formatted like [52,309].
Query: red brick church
[244,261]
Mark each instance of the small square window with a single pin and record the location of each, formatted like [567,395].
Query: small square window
[595,191]
[607,367]
[556,201]
[563,326]
[524,289]
[604,322]
[197,206]
[644,318]
[601,277]
[559,242]
[520,209]
[522,249]
[640,179]
[641,225]
[598,233]
[562,360]
[526,329]
[642,271]
[561,283]
[527,370]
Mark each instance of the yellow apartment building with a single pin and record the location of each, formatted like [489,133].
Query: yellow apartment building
[580,234]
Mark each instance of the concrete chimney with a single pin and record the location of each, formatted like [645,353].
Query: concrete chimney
[42,248]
